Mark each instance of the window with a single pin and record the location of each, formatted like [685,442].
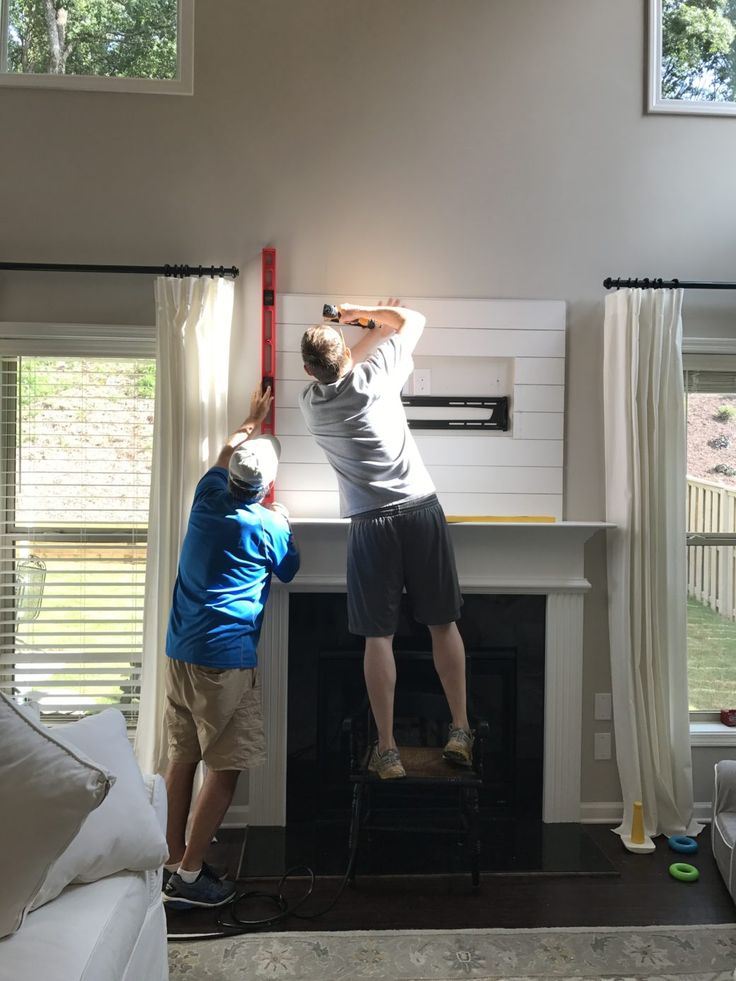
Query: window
[692,56]
[75,445]
[133,46]
[710,386]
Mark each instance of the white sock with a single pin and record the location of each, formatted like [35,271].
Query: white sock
[187,876]
[172,868]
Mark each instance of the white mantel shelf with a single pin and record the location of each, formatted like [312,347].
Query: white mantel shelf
[492,557]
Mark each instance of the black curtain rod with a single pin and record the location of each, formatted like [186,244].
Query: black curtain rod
[177,271]
[664,284]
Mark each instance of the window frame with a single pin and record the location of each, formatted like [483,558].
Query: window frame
[706,729]
[183,84]
[655,101]
[77,340]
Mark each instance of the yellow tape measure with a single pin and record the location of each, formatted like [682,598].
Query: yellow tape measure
[546,519]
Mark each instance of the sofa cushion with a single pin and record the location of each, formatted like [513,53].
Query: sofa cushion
[88,932]
[124,833]
[47,789]
[726,822]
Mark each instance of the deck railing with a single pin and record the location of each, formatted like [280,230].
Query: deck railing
[711,569]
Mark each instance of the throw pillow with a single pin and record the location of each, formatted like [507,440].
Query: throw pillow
[47,789]
[124,833]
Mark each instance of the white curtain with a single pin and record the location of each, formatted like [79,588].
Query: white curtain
[644,414]
[193,322]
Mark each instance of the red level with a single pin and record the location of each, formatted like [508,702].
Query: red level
[268,340]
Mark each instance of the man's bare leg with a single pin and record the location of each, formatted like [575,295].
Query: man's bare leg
[379,668]
[212,803]
[179,782]
[448,652]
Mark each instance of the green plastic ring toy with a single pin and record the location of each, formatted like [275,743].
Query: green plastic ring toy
[684,872]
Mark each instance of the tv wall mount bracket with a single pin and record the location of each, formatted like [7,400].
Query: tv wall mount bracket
[498,408]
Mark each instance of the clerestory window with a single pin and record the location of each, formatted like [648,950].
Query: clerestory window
[136,46]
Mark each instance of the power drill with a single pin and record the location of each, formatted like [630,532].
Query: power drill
[331,313]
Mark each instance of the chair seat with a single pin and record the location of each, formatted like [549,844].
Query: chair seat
[423,765]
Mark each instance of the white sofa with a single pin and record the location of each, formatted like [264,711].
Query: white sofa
[81,900]
[723,828]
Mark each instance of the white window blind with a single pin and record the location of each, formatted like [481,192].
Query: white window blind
[75,442]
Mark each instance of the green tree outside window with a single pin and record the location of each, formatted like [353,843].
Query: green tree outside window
[134,39]
[699,50]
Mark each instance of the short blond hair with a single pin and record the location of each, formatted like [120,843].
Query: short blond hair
[323,353]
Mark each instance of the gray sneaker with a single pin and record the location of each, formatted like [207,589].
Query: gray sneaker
[386,765]
[459,748]
[206,890]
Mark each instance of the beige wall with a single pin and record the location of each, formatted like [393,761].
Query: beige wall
[430,147]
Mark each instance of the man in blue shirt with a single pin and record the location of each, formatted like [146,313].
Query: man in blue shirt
[213,698]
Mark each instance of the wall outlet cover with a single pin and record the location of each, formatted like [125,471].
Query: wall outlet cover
[602,746]
[422,381]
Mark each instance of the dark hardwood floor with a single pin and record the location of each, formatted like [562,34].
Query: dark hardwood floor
[641,893]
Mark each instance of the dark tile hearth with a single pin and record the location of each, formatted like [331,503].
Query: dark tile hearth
[519,848]
[641,893]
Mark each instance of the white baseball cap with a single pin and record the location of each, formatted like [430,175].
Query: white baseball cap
[252,468]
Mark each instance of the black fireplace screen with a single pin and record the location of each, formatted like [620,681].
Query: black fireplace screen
[504,639]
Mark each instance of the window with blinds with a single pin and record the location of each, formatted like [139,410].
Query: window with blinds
[75,445]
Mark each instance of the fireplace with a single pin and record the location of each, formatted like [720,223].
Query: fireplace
[506,563]
[504,640]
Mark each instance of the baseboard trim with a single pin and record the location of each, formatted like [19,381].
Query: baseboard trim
[601,812]
[611,812]
[236,817]
[591,812]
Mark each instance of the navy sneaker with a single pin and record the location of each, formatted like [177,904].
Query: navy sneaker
[206,890]
[210,871]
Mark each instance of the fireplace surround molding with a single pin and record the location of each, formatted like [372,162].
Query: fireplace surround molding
[506,557]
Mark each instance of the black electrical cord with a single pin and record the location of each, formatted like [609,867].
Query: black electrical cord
[231,924]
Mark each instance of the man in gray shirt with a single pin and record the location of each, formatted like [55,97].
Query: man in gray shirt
[398,533]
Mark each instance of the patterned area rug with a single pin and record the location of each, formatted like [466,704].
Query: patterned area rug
[664,953]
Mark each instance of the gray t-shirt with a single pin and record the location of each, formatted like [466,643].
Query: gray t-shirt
[360,423]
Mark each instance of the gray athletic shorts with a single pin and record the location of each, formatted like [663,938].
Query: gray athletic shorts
[404,545]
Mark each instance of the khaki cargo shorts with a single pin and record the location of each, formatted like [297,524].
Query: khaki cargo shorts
[214,714]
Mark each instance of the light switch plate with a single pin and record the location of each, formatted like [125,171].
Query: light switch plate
[603,710]
[602,746]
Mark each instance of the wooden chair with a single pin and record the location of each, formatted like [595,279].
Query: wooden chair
[435,797]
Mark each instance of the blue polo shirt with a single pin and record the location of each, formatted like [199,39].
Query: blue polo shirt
[229,552]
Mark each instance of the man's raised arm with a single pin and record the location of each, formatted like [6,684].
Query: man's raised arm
[390,318]
[260,403]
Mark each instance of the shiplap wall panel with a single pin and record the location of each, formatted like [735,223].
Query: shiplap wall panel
[447,450]
[539,425]
[476,480]
[538,371]
[306,308]
[289,366]
[481,343]
[323,504]
[539,398]
[517,472]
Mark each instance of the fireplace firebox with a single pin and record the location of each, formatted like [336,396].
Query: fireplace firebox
[504,640]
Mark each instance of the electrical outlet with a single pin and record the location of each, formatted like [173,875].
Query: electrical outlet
[603,706]
[421,381]
[602,746]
